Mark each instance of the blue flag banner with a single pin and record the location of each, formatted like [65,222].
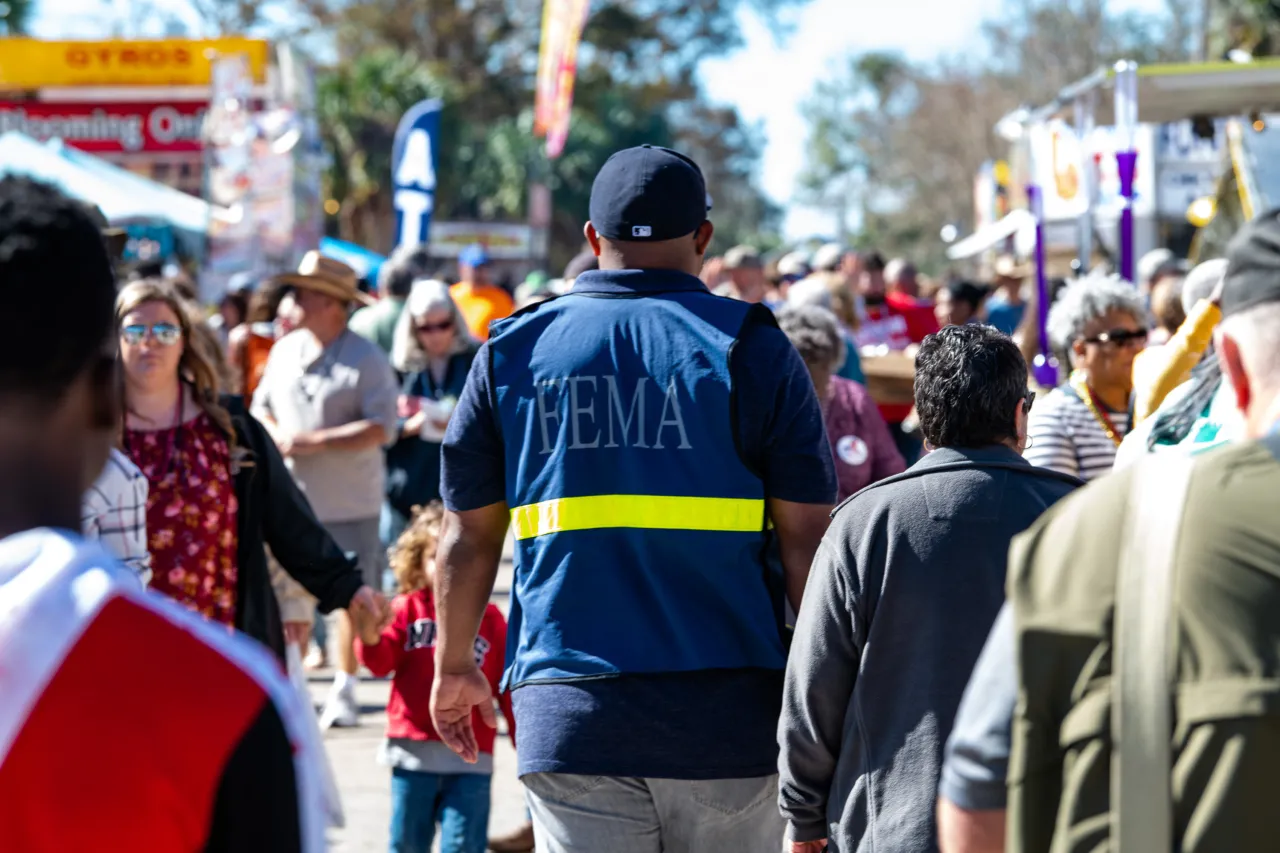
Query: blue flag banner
[413,172]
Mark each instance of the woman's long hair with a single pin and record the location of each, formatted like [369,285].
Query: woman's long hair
[200,367]
[427,295]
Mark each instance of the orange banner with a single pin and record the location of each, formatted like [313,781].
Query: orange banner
[32,64]
[562,24]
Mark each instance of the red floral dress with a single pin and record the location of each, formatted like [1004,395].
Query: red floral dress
[191,514]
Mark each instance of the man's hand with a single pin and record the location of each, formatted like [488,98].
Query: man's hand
[297,633]
[453,697]
[302,444]
[806,846]
[369,614]
[413,424]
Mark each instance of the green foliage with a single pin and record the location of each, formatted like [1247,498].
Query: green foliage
[15,16]
[635,85]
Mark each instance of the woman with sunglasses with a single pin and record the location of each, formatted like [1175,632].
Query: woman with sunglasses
[218,488]
[1098,325]
[432,351]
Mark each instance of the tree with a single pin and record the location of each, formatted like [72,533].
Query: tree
[636,84]
[15,16]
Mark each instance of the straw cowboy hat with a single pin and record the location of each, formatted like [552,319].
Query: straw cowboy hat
[327,276]
[1007,266]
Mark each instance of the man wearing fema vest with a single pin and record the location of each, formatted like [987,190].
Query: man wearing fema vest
[648,444]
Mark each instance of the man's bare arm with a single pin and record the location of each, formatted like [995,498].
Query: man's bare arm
[800,528]
[466,567]
[357,435]
[968,831]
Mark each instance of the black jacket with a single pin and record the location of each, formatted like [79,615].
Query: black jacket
[273,511]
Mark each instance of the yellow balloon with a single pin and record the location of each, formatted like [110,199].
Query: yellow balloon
[1201,211]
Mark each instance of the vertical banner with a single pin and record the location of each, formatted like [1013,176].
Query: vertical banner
[413,172]
[562,25]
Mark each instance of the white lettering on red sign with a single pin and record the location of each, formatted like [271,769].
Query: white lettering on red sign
[108,127]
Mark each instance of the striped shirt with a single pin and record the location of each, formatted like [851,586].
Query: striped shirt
[1064,436]
[114,511]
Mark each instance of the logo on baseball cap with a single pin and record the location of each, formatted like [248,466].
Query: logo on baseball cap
[648,194]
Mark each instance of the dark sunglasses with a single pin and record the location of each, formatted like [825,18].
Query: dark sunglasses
[1119,337]
[166,334]
[1027,400]
[427,328]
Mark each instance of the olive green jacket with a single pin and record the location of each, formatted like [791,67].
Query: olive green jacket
[1226,643]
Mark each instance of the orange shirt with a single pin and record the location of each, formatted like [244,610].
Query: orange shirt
[481,305]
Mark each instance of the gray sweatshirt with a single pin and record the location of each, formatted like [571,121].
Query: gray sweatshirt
[902,595]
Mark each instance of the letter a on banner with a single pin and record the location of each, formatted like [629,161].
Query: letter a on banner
[413,172]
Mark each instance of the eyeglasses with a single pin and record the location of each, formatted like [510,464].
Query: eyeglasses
[1119,337]
[428,328]
[1027,400]
[165,334]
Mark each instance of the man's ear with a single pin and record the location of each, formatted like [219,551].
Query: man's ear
[1233,366]
[589,231]
[702,237]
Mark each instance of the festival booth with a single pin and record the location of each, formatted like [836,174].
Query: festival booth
[1114,123]
[168,218]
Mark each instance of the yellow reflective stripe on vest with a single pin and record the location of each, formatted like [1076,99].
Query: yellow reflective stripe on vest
[656,512]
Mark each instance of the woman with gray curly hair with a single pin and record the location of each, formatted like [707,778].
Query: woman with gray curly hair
[861,445]
[1098,324]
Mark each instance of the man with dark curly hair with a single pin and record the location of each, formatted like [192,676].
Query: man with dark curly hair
[901,597]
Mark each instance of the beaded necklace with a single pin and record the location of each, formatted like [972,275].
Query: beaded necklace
[1081,386]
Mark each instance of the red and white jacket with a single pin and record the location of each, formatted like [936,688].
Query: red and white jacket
[408,649]
[123,716]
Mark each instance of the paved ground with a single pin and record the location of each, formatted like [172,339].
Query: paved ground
[365,785]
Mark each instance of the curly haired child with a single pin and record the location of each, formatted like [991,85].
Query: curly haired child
[430,784]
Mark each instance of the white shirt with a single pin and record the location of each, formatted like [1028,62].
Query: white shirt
[1063,435]
[114,511]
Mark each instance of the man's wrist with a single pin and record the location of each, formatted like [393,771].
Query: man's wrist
[447,664]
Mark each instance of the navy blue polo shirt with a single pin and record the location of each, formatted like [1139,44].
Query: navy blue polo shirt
[699,725]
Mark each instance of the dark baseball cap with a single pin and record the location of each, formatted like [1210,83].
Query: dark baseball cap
[647,194]
[1253,265]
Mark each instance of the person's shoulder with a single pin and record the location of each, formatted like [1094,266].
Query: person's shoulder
[1090,508]
[850,393]
[119,465]
[290,345]
[359,349]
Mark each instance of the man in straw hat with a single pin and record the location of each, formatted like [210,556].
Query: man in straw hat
[1006,305]
[328,396]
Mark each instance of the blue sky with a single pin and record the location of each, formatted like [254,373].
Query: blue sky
[766,80]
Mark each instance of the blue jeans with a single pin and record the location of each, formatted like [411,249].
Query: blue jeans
[458,802]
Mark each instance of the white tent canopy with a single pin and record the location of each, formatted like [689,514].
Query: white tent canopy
[122,196]
[1173,92]
[1018,224]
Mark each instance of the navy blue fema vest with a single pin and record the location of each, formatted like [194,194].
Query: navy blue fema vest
[640,532]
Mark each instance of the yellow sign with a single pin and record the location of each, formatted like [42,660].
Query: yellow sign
[31,64]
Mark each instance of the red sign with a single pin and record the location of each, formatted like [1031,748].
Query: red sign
[109,127]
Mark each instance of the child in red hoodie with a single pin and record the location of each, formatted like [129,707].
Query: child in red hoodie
[429,783]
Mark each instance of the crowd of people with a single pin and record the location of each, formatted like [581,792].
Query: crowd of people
[753,609]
